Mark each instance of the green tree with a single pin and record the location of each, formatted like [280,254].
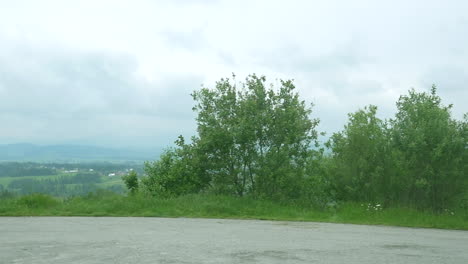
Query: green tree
[256,138]
[359,157]
[131,181]
[432,147]
[252,139]
[179,171]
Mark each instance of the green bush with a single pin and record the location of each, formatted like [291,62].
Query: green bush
[37,201]
[5,194]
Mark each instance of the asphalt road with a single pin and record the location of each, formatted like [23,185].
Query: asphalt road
[163,240]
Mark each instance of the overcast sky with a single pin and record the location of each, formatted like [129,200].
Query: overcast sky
[120,73]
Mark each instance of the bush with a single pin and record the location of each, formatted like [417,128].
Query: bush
[5,194]
[37,200]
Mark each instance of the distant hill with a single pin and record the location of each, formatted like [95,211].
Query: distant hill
[73,153]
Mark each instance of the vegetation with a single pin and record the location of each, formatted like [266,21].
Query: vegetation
[19,169]
[131,181]
[259,141]
[256,155]
[63,180]
[417,159]
[106,203]
[252,140]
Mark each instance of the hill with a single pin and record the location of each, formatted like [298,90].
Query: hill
[73,153]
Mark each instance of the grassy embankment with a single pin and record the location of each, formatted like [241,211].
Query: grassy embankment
[204,206]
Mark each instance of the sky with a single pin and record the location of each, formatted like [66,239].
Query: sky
[120,73]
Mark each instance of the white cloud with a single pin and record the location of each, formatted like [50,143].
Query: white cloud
[112,71]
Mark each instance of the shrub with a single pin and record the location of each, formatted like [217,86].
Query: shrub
[37,200]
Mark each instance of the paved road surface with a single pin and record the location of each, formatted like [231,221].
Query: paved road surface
[162,240]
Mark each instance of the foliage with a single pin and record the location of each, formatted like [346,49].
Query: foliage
[37,200]
[104,203]
[251,140]
[4,194]
[431,150]
[258,142]
[359,157]
[178,171]
[131,181]
[419,158]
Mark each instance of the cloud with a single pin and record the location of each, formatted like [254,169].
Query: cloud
[120,72]
[47,95]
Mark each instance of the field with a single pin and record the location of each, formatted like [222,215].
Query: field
[102,182]
[105,180]
[63,180]
[6,180]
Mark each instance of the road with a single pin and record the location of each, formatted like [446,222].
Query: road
[180,240]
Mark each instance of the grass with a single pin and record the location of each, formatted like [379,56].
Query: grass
[208,206]
[109,181]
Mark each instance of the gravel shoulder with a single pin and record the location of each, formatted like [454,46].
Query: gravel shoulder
[181,240]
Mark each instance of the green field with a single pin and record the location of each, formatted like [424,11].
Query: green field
[102,182]
[109,181]
[209,206]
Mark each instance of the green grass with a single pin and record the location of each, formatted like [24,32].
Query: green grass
[207,206]
[109,181]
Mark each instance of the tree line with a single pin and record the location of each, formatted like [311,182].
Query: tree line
[20,169]
[259,140]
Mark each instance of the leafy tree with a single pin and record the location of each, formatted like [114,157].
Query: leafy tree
[131,181]
[317,187]
[178,171]
[359,154]
[252,139]
[256,139]
[432,147]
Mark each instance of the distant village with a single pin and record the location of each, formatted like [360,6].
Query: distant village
[119,173]
[15,169]
[105,172]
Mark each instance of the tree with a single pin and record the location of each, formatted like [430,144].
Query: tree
[131,181]
[179,171]
[251,140]
[256,139]
[359,155]
[432,150]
